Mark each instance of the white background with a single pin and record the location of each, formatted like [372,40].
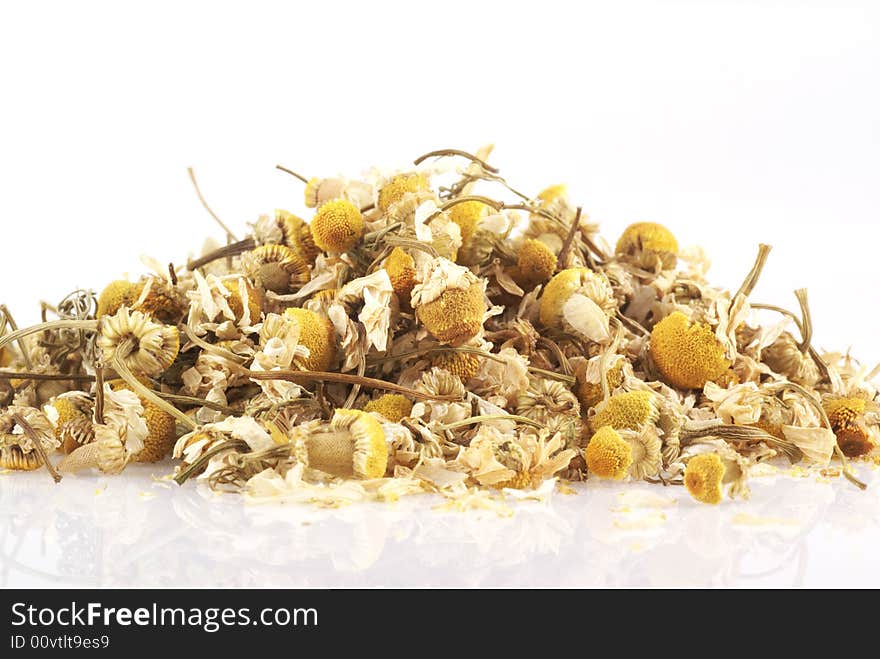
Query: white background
[731,123]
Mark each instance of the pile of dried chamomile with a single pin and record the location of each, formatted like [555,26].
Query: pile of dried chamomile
[432,329]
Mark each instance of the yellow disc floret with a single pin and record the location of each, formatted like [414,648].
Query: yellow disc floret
[467,216]
[398,187]
[117,294]
[393,407]
[568,282]
[161,428]
[536,263]
[337,226]
[608,455]
[687,354]
[629,410]
[316,333]
[645,242]
[456,316]
[401,269]
[464,365]
[846,417]
[254,299]
[703,477]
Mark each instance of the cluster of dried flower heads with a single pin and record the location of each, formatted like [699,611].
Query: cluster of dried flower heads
[415,336]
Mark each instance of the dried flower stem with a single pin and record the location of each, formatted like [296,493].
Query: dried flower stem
[38,445]
[17,335]
[455,152]
[125,373]
[210,347]
[229,234]
[342,378]
[99,393]
[751,279]
[195,402]
[814,354]
[569,240]
[293,174]
[523,420]
[202,460]
[232,249]
[807,326]
[29,375]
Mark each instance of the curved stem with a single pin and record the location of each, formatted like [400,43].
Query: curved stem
[42,327]
[524,420]
[192,177]
[37,441]
[202,460]
[125,373]
[7,318]
[751,279]
[211,348]
[569,239]
[807,327]
[29,375]
[196,402]
[293,174]
[455,152]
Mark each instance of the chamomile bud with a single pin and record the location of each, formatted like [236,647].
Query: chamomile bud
[631,410]
[579,299]
[847,421]
[536,263]
[297,235]
[399,188]
[464,365]
[393,407]
[276,268]
[351,445]
[647,243]
[316,333]
[116,294]
[687,354]
[703,477]
[608,455]
[401,269]
[450,303]
[337,226]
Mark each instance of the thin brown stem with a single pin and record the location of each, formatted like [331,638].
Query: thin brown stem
[293,173]
[17,335]
[99,393]
[202,460]
[807,327]
[172,274]
[232,249]
[194,401]
[524,420]
[569,240]
[342,378]
[455,152]
[38,445]
[30,375]
[229,234]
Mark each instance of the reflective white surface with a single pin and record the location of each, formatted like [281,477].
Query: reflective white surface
[143,531]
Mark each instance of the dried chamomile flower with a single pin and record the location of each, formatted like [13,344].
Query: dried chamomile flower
[703,478]
[847,421]
[243,297]
[463,364]
[450,302]
[589,380]
[646,244]
[161,429]
[17,450]
[337,226]
[297,235]
[401,269]
[316,333]
[402,188]
[608,455]
[71,414]
[158,298]
[393,407]
[351,445]
[785,357]
[687,354]
[276,268]
[116,294]
[146,346]
[536,263]
[646,452]
[631,410]
[553,405]
[581,300]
